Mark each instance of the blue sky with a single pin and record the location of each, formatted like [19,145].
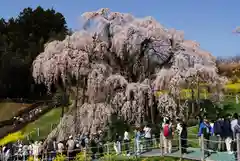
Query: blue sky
[210,22]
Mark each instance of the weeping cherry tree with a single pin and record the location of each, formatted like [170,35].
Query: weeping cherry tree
[119,62]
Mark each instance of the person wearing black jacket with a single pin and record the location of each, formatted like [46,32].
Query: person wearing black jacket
[217,128]
[52,148]
[93,145]
[227,134]
[100,143]
[184,135]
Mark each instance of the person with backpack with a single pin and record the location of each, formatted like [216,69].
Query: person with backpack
[205,129]
[167,137]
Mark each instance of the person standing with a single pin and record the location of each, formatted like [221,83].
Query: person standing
[126,140]
[100,143]
[167,137]
[35,150]
[183,136]
[179,126]
[218,126]
[147,137]
[205,129]
[51,149]
[117,144]
[60,147]
[70,147]
[137,140]
[227,134]
[235,126]
[93,145]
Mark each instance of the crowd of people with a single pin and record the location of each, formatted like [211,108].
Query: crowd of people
[214,136]
[23,150]
[219,135]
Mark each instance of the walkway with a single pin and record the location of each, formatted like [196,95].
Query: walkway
[194,154]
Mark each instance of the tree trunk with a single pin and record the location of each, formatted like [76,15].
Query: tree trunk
[64,94]
[192,92]
[152,110]
[84,89]
[76,105]
[198,95]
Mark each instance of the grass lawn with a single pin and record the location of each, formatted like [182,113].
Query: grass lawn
[9,109]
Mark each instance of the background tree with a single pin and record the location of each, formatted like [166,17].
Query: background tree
[21,40]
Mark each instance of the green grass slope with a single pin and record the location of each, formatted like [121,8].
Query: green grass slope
[45,124]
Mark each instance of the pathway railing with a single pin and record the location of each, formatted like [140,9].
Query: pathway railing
[201,149]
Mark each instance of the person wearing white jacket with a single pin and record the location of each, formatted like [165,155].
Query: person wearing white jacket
[35,151]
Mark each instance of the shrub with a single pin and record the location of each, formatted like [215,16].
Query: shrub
[31,159]
[60,158]
[192,122]
[13,137]
[82,157]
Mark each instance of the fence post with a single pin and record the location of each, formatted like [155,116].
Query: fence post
[180,147]
[161,143]
[51,127]
[85,153]
[38,132]
[154,141]
[238,147]
[202,148]
[108,152]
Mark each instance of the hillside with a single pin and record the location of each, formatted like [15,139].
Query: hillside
[44,124]
[8,109]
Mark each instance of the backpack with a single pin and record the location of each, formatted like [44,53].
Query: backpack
[206,131]
[167,130]
[83,143]
[237,128]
